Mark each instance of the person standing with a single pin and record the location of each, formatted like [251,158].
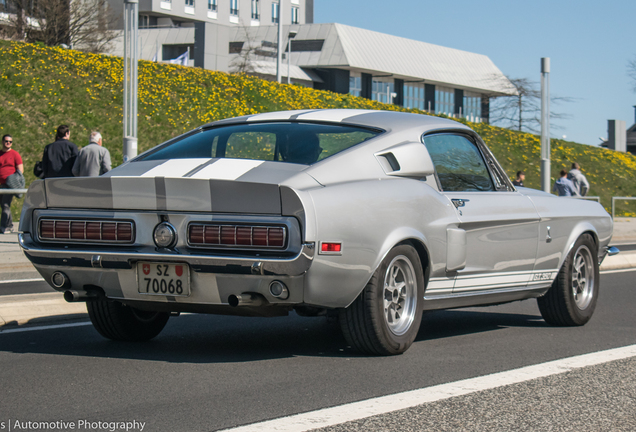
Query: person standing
[521,176]
[59,156]
[93,160]
[578,179]
[563,186]
[10,162]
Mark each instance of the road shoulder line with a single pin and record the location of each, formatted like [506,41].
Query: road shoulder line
[386,404]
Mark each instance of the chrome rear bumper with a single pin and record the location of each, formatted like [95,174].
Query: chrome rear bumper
[62,257]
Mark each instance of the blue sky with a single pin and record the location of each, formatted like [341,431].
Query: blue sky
[589,44]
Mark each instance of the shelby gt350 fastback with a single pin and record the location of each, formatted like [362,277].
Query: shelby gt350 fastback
[371,215]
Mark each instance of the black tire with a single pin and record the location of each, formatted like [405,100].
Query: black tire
[571,299]
[119,322]
[373,323]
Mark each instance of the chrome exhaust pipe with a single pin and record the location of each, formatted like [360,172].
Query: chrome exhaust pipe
[246,299]
[78,296]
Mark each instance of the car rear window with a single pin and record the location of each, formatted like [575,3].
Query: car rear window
[303,143]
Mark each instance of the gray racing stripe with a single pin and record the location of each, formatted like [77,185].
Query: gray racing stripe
[230,196]
[160,193]
[188,194]
[133,169]
[73,192]
[199,168]
[295,116]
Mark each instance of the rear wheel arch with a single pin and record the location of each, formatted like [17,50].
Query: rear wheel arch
[385,317]
[422,252]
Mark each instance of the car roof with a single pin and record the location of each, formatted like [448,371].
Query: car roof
[385,120]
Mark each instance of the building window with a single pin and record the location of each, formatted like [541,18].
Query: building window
[472,107]
[274,13]
[445,101]
[355,85]
[234,7]
[381,91]
[256,10]
[212,5]
[414,96]
[169,52]
[189,7]
[294,15]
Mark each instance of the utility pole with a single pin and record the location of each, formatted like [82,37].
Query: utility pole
[292,34]
[545,124]
[131,59]
[279,57]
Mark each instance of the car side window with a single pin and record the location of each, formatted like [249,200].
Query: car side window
[459,164]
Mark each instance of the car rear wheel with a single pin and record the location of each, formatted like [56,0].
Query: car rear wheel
[386,316]
[116,321]
[572,298]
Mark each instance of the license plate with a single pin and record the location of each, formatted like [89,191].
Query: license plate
[163,279]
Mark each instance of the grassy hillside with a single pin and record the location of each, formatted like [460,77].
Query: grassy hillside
[43,87]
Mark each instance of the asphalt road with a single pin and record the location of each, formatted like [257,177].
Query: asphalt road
[205,373]
[25,288]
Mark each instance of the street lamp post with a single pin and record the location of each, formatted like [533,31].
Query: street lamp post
[545,124]
[292,34]
[131,59]
[279,56]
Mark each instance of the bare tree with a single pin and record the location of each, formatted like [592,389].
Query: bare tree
[523,110]
[82,24]
[246,51]
[631,71]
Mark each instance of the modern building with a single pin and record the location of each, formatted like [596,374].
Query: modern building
[185,13]
[386,68]
[241,36]
[619,137]
[631,136]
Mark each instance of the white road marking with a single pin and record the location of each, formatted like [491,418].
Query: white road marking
[22,280]
[617,271]
[48,327]
[386,404]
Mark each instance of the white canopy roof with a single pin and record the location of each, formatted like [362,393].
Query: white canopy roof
[380,54]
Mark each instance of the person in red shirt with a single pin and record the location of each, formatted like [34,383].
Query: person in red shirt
[10,162]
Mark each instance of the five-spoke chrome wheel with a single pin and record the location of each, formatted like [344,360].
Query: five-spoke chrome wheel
[582,277]
[400,295]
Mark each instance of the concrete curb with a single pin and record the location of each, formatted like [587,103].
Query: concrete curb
[39,309]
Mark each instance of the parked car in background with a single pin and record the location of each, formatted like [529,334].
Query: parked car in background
[376,216]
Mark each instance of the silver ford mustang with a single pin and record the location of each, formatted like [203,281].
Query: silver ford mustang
[374,216]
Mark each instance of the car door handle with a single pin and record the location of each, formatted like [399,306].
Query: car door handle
[459,202]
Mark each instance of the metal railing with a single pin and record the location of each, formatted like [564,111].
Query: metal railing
[591,198]
[12,191]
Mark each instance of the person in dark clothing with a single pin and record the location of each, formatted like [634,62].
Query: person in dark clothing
[521,176]
[59,156]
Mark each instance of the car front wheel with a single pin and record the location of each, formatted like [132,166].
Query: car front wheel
[119,322]
[571,299]
[386,316]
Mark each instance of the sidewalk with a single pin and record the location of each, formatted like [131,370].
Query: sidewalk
[39,309]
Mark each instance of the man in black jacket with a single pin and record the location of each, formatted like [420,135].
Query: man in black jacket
[59,156]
